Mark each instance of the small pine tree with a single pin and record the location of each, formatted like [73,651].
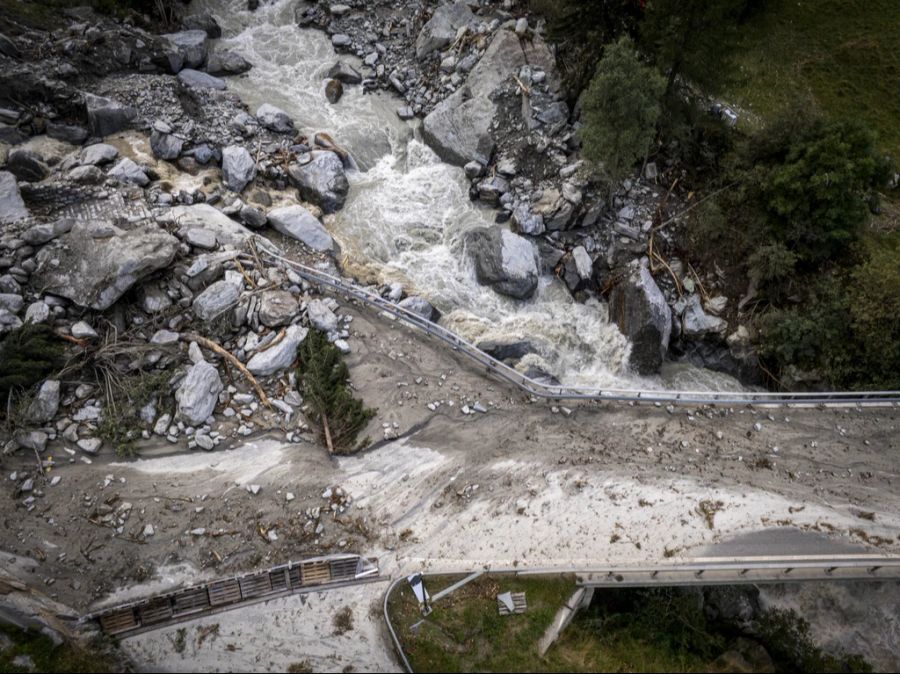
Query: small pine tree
[322,378]
[27,355]
[621,107]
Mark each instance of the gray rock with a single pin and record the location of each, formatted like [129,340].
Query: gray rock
[67,133]
[277,307]
[37,312]
[201,238]
[95,272]
[696,323]
[405,112]
[165,145]
[226,62]
[154,299]
[274,119]
[83,330]
[441,29]
[198,393]
[421,306]
[238,168]
[38,235]
[491,189]
[86,175]
[503,260]
[216,299]
[643,316]
[12,207]
[345,73]
[98,153]
[46,403]
[205,22]
[11,302]
[341,41]
[527,221]
[9,321]
[297,222]
[126,171]
[106,116]
[253,217]
[319,177]
[26,165]
[459,129]
[584,266]
[321,317]
[198,80]
[279,356]
[164,337]
[204,216]
[32,440]
[190,45]
[509,349]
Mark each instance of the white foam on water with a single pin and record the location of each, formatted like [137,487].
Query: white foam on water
[407,211]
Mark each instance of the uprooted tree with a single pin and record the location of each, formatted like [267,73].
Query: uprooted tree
[28,354]
[322,378]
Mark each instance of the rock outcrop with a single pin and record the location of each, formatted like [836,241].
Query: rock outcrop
[95,272]
[639,308]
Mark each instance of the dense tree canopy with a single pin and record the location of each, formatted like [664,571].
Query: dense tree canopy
[620,110]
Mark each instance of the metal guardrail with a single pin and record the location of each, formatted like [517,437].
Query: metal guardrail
[314,574]
[562,392]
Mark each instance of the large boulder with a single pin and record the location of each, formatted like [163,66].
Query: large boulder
[12,208]
[200,80]
[204,216]
[67,133]
[459,127]
[319,177]
[198,393]
[505,261]
[639,308]
[321,317]
[280,356]
[26,165]
[344,72]
[274,118]
[238,167]
[95,272]
[106,116]
[421,306]
[442,28]
[298,223]
[226,62]
[190,45]
[98,153]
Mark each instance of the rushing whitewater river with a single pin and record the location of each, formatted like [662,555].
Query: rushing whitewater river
[407,211]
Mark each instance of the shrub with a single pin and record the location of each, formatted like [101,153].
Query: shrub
[849,328]
[323,383]
[27,355]
[620,110]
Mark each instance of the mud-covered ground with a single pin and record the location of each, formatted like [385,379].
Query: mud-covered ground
[517,485]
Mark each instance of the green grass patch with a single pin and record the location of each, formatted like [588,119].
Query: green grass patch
[49,658]
[840,56]
[466,633]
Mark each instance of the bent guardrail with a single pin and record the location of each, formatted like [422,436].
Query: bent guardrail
[540,389]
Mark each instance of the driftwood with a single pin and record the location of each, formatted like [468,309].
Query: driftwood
[213,346]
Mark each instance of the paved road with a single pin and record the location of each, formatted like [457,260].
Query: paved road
[780,542]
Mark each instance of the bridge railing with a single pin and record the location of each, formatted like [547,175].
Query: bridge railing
[540,389]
